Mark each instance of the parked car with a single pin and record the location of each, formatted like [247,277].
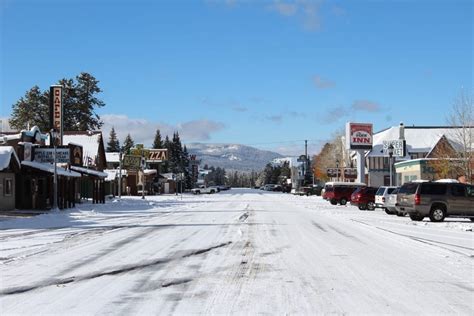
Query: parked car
[329,186]
[364,198]
[202,189]
[307,191]
[340,194]
[381,196]
[437,200]
[390,204]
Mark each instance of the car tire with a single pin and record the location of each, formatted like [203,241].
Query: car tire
[212,192]
[371,206]
[198,192]
[437,213]
[343,201]
[472,219]
[388,211]
[362,207]
[416,218]
[333,202]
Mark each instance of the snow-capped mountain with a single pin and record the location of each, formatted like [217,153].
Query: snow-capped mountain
[232,156]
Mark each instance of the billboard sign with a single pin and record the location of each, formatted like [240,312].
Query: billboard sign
[76,155]
[359,136]
[46,155]
[399,147]
[56,110]
[132,162]
[151,155]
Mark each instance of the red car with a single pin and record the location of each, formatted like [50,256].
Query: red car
[339,194]
[364,198]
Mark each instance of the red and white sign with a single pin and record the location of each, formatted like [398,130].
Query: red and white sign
[359,136]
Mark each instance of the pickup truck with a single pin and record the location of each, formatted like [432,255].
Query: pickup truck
[202,189]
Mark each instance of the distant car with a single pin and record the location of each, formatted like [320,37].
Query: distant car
[270,187]
[340,194]
[436,200]
[364,198]
[381,196]
[202,190]
[308,191]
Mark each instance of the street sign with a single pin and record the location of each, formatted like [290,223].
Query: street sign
[399,147]
[132,162]
[333,172]
[46,155]
[350,173]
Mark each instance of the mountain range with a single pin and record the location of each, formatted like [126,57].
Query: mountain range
[231,156]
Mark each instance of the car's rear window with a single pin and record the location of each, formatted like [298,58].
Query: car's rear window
[408,188]
[380,191]
[390,190]
[433,188]
[395,191]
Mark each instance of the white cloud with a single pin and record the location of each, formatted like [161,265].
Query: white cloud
[143,131]
[321,83]
[297,148]
[285,9]
[366,105]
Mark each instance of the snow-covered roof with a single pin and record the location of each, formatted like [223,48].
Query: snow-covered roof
[50,168]
[6,153]
[112,157]
[88,141]
[149,171]
[112,174]
[418,139]
[90,172]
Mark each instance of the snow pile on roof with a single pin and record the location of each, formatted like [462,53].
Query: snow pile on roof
[418,139]
[89,143]
[112,174]
[6,153]
[50,168]
[112,157]
[90,172]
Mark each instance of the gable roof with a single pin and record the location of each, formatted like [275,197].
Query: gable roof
[6,154]
[92,146]
[419,139]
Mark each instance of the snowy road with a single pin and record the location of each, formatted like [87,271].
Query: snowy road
[236,252]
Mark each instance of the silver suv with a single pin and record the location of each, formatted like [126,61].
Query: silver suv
[436,200]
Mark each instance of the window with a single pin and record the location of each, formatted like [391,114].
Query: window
[470,190]
[390,190]
[433,188]
[458,190]
[8,187]
[408,188]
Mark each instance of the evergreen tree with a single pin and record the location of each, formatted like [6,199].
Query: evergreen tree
[79,103]
[127,144]
[33,108]
[157,142]
[165,167]
[113,145]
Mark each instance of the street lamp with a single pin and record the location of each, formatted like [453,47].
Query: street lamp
[390,155]
[337,169]
[54,136]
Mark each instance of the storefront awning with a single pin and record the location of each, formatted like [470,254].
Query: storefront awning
[89,172]
[47,167]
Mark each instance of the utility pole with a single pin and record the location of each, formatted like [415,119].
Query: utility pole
[120,175]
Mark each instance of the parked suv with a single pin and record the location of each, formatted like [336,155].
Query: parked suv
[436,200]
[339,194]
[381,196]
[364,198]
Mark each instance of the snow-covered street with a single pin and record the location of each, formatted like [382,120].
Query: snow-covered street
[240,251]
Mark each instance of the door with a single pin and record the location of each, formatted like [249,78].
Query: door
[458,201]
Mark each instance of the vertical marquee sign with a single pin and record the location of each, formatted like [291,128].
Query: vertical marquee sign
[56,110]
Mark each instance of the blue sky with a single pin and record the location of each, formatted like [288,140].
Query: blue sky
[264,73]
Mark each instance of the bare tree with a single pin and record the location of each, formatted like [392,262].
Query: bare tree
[462,116]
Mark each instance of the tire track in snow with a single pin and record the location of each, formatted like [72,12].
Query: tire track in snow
[117,271]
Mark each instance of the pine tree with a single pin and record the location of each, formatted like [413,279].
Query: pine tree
[113,145]
[157,143]
[33,108]
[79,103]
[127,144]
[165,167]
